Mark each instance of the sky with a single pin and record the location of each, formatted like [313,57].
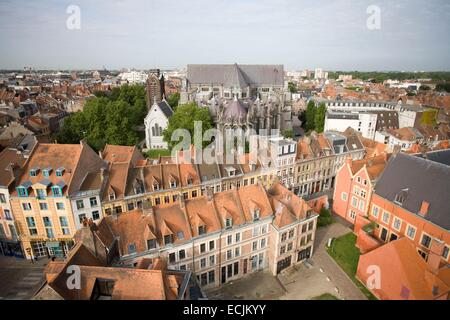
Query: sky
[413,35]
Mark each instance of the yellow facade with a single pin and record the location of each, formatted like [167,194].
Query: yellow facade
[40,240]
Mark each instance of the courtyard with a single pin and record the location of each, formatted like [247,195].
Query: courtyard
[320,277]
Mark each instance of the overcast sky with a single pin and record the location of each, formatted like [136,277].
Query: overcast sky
[331,34]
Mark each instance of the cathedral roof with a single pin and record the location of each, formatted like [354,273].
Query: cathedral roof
[243,74]
[235,111]
[235,78]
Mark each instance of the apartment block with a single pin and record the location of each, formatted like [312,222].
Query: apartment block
[42,199]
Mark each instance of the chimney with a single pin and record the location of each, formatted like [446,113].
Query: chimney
[182,200]
[209,194]
[147,209]
[349,160]
[102,174]
[434,257]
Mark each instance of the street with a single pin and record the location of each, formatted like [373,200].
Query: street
[19,278]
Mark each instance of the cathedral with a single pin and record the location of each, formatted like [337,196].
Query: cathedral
[240,96]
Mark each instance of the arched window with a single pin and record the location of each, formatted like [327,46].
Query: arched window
[153,131]
[157,130]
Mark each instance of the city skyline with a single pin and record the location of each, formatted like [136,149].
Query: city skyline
[299,34]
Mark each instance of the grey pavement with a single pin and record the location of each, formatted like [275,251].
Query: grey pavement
[19,278]
[346,287]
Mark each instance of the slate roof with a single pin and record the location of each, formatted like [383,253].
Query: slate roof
[236,74]
[425,180]
[165,108]
[440,156]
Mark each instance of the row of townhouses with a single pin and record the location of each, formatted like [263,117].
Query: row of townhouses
[49,190]
[218,237]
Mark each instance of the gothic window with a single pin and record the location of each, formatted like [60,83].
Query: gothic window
[156,130]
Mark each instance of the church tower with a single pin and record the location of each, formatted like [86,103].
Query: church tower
[155,87]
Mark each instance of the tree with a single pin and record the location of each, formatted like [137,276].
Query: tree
[288,133]
[444,86]
[173,100]
[325,218]
[292,87]
[302,118]
[107,118]
[319,118]
[183,118]
[310,116]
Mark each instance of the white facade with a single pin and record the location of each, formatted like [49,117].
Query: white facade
[362,122]
[285,159]
[134,76]
[155,122]
[86,205]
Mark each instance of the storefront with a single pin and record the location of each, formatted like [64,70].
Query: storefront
[11,248]
[49,249]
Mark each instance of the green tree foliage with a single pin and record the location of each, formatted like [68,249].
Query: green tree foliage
[378,77]
[444,86]
[310,116]
[319,118]
[288,133]
[110,118]
[183,118]
[325,218]
[292,87]
[173,100]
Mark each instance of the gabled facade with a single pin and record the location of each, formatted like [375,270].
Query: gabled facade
[155,123]
[355,182]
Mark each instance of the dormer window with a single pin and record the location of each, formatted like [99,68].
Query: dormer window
[131,248]
[46,172]
[60,172]
[151,244]
[112,196]
[228,223]
[201,230]
[180,235]
[173,183]
[190,180]
[34,172]
[168,239]
[401,196]
[256,214]
[22,191]
[138,187]
[57,191]
[155,186]
[40,193]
